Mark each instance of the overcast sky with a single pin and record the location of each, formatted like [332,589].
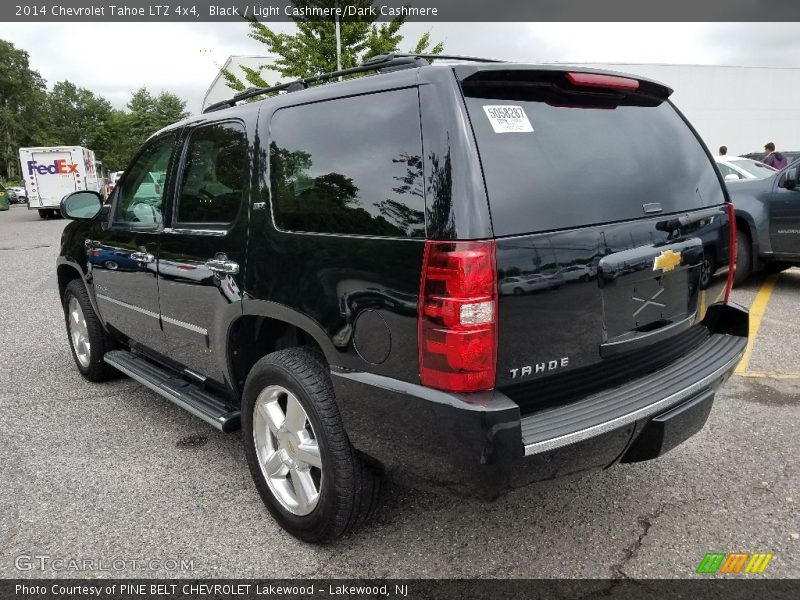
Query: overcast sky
[114,59]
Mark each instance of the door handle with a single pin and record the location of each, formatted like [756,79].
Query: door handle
[143,257]
[227,267]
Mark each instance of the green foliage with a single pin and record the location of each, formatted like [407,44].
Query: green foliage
[22,96]
[312,49]
[70,115]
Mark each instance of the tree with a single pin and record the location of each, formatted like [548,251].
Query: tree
[312,49]
[22,96]
[75,116]
[146,115]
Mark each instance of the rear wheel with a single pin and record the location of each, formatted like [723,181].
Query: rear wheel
[87,339]
[44,214]
[518,291]
[311,479]
[744,257]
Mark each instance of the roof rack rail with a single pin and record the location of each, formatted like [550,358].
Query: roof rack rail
[448,57]
[381,62]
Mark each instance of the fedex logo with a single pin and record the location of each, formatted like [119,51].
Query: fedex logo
[56,168]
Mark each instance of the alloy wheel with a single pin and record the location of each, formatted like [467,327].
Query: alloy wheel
[78,332]
[287,450]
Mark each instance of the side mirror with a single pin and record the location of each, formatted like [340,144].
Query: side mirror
[788,179]
[81,205]
[731,177]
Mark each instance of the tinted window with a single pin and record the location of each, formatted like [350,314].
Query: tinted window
[351,165]
[141,197]
[585,163]
[214,174]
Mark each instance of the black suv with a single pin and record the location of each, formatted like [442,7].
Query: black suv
[322,268]
[767,221]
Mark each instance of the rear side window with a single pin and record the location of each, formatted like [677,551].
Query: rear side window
[214,174]
[349,166]
[583,160]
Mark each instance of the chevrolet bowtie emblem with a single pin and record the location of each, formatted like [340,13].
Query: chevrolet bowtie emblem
[667,261]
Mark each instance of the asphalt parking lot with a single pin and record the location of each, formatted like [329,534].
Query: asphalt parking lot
[113,471]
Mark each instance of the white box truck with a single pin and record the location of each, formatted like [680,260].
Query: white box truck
[53,172]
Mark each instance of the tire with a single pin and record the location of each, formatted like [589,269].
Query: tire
[744,257]
[44,214]
[111,265]
[518,291]
[347,487]
[88,358]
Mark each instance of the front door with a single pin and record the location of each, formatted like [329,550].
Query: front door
[201,257]
[784,211]
[124,254]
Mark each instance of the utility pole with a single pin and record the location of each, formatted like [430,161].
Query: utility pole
[338,30]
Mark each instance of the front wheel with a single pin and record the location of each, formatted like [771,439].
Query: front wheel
[87,339]
[744,257]
[311,479]
[44,214]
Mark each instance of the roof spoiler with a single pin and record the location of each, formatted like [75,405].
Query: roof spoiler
[567,78]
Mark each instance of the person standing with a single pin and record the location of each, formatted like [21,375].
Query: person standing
[723,150]
[774,159]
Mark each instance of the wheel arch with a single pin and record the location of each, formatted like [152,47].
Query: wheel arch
[746,223]
[266,327]
[66,271]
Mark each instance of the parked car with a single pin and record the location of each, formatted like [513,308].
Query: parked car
[791,155]
[21,194]
[113,178]
[524,284]
[767,221]
[735,168]
[576,273]
[362,331]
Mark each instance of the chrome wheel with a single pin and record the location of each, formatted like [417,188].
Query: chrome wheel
[78,332]
[287,450]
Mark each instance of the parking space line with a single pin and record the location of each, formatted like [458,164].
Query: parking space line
[769,375]
[757,310]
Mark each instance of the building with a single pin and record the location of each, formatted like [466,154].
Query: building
[739,107]
[219,90]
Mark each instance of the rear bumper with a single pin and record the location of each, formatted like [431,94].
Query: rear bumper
[478,444]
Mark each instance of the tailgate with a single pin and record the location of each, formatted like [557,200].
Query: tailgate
[612,234]
[622,300]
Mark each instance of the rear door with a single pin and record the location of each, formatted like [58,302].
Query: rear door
[784,211]
[610,183]
[201,262]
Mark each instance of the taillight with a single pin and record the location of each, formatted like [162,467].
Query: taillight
[732,252]
[458,316]
[598,80]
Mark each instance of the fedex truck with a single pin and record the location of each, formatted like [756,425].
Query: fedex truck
[53,172]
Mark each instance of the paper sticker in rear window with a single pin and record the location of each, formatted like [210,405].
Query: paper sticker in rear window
[508,119]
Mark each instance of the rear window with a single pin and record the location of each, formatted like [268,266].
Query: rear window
[556,160]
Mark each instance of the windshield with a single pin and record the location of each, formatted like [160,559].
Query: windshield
[753,167]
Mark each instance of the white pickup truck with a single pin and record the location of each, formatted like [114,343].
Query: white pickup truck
[53,172]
